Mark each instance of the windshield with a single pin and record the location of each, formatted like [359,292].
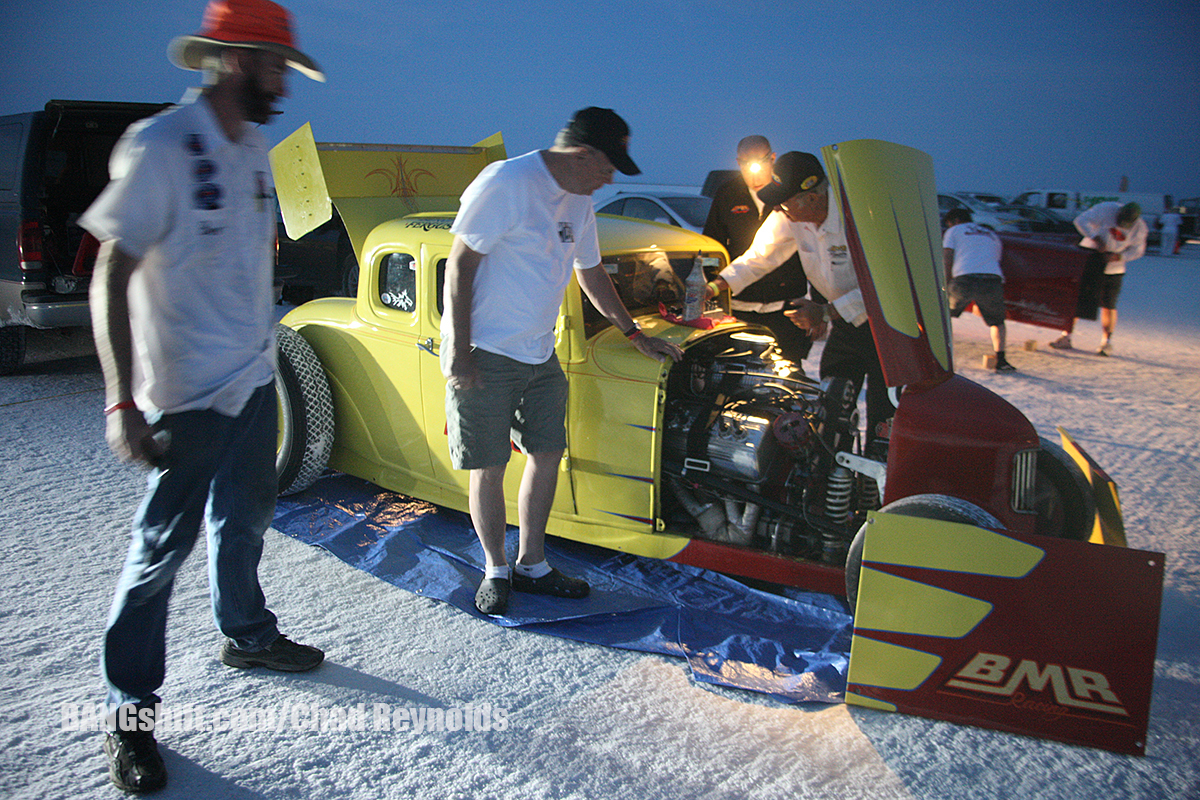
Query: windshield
[643,280]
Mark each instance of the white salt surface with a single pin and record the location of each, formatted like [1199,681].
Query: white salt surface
[582,721]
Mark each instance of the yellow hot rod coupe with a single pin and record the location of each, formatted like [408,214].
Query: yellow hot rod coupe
[731,459]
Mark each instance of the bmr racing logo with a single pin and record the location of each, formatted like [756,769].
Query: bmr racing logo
[990,673]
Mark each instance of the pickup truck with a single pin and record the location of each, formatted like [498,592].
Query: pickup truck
[732,458]
[53,164]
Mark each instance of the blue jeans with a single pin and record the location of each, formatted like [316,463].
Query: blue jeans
[218,470]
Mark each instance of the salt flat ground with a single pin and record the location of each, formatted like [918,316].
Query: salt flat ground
[583,721]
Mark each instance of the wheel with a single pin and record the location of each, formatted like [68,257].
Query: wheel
[926,506]
[305,413]
[1062,496]
[12,348]
[349,275]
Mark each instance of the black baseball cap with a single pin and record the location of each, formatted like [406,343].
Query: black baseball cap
[793,173]
[604,130]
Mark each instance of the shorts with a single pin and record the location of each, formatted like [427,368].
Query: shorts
[521,404]
[1110,290]
[984,290]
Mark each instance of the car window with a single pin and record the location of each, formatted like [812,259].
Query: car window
[613,208]
[398,282]
[641,208]
[693,209]
[1056,200]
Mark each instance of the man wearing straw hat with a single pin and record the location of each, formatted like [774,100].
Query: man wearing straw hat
[181,305]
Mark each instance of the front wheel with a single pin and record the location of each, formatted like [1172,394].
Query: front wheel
[305,413]
[926,506]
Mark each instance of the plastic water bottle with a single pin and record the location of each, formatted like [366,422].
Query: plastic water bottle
[693,291]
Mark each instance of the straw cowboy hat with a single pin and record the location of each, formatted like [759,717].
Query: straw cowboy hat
[259,24]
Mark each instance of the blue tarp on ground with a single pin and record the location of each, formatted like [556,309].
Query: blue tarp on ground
[795,648]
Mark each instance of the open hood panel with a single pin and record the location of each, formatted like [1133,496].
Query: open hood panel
[889,203]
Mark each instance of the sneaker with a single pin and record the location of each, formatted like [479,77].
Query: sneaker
[1062,343]
[1105,350]
[134,764]
[1002,365]
[492,597]
[283,655]
[553,583]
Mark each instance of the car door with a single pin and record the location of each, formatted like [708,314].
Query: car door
[454,482]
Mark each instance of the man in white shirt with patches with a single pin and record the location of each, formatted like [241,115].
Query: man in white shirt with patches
[182,312]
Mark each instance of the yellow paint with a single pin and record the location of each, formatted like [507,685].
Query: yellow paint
[913,541]
[889,603]
[868,702]
[888,666]
[1109,525]
[894,204]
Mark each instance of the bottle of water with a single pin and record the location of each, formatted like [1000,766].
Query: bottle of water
[693,294]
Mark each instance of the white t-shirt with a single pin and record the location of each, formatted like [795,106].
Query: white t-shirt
[1101,220]
[198,212]
[531,233]
[976,249]
[823,254]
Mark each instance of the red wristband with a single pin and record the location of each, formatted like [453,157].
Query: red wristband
[120,406]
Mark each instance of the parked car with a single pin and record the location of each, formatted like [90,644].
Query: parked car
[53,164]
[1037,220]
[688,211]
[981,212]
[732,458]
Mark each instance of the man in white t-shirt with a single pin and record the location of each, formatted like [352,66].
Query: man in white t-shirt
[524,224]
[1118,235]
[182,313]
[972,255]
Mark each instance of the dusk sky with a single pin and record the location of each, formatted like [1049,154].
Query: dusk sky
[1004,96]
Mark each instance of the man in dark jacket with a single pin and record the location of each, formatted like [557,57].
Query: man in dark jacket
[733,219]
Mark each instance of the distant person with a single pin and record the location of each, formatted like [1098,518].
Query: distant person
[524,225]
[182,307]
[1118,235]
[734,217]
[806,221]
[972,257]
[1170,221]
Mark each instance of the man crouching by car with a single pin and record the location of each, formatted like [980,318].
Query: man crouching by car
[522,226]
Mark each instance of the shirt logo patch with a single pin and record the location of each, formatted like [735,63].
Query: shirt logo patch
[205,170]
[740,210]
[208,197]
[566,233]
[194,143]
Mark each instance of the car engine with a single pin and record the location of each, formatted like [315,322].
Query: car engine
[750,448]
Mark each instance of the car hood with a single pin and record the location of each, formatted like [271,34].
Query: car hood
[888,199]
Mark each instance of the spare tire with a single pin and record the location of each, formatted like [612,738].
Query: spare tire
[305,413]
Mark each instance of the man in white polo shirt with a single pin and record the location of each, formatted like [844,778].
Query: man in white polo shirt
[182,311]
[806,221]
[524,224]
